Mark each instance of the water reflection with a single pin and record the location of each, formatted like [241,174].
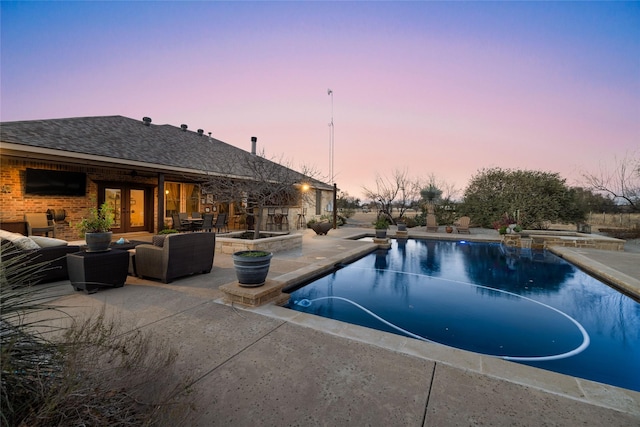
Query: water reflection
[443,291]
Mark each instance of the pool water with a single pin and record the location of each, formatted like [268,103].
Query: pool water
[527,306]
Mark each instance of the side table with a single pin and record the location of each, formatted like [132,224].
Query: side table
[89,271]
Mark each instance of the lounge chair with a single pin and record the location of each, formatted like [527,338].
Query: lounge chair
[432,223]
[463,225]
[38,223]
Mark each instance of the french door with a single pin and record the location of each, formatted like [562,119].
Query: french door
[131,206]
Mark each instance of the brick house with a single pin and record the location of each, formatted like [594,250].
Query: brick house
[145,171]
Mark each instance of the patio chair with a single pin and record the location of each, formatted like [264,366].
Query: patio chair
[38,223]
[284,220]
[271,215]
[196,215]
[432,223]
[206,224]
[221,222]
[180,225]
[180,255]
[463,225]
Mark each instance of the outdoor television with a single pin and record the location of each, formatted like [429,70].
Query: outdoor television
[46,182]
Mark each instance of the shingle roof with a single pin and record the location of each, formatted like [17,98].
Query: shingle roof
[125,139]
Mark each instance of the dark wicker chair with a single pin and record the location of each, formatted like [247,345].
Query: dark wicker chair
[206,224]
[221,222]
[181,254]
[180,225]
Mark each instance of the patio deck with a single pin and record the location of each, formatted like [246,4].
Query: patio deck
[273,366]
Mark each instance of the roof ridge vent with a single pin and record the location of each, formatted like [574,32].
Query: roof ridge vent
[146,121]
[200,132]
[184,127]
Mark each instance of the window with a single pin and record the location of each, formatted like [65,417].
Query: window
[180,197]
[171,198]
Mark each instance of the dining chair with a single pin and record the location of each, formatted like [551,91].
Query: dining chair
[206,224]
[221,222]
[39,223]
[178,224]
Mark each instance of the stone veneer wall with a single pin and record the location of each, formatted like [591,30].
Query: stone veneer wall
[569,240]
[229,245]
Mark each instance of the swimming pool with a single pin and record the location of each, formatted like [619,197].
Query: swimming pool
[527,306]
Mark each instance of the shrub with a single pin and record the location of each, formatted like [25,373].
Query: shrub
[168,231]
[89,373]
[381,223]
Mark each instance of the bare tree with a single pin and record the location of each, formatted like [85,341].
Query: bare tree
[256,182]
[399,186]
[621,182]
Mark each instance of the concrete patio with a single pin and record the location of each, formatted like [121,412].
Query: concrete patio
[272,366]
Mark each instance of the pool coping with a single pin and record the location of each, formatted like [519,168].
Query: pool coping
[579,389]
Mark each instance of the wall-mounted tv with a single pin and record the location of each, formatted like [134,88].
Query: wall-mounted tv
[44,182]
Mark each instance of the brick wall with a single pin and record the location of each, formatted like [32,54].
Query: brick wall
[14,203]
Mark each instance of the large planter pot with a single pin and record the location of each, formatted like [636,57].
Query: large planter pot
[98,242]
[381,234]
[321,227]
[402,226]
[252,267]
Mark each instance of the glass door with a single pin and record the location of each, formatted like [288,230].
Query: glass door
[130,206]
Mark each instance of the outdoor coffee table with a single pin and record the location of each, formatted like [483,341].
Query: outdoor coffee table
[90,271]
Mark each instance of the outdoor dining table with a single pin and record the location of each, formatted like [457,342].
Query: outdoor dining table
[195,222]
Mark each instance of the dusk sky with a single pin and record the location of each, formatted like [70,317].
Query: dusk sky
[442,88]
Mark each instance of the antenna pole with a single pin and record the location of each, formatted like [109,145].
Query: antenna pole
[331,138]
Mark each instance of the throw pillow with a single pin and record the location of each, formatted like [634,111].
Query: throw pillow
[158,240]
[24,243]
[48,242]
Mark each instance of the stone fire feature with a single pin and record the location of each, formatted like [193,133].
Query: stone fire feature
[227,244]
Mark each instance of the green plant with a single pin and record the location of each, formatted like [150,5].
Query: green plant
[253,254]
[99,220]
[381,224]
[168,231]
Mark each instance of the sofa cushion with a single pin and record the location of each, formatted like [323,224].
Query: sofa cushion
[48,242]
[24,243]
[7,235]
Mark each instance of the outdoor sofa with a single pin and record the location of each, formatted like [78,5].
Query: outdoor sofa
[43,256]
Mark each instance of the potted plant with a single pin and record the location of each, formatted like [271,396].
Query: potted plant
[381,226]
[252,267]
[96,228]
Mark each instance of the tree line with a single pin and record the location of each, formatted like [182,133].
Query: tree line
[533,199]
